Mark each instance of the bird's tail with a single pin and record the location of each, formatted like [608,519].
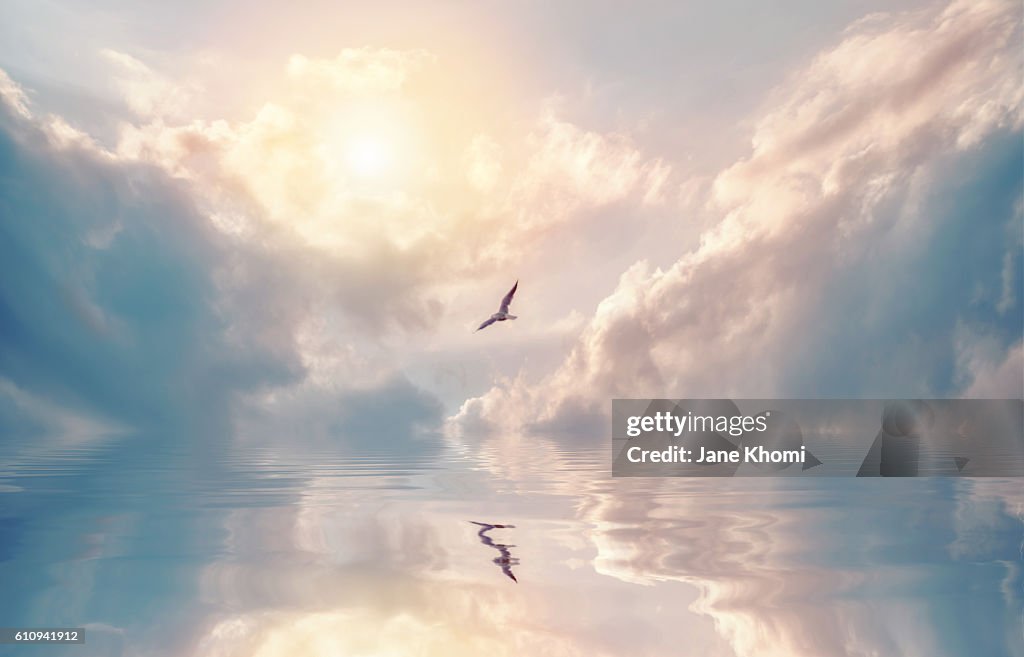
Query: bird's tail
[511,317]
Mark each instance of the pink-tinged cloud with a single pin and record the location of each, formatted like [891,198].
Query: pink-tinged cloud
[855,132]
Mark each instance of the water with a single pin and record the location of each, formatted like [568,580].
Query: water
[159,548]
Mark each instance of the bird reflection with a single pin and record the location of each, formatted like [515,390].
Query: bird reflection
[506,560]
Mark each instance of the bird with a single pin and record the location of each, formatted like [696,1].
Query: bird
[502,313]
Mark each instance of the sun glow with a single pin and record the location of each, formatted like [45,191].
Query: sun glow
[369,156]
[369,147]
[372,142]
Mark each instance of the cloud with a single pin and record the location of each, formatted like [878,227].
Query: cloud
[569,167]
[125,326]
[392,417]
[991,375]
[450,201]
[819,275]
[13,96]
[34,422]
[360,70]
[147,92]
[124,308]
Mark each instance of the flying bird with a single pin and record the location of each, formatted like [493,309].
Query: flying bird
[502,313]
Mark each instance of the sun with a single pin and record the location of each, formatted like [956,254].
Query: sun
[368,150]
[369,156]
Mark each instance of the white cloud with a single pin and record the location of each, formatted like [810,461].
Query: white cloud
[147,92]
[449,203]
[989,374]
[13,95]
[360,70]
[846,137]
[569,167]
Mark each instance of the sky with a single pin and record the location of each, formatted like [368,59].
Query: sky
[238,219]
[236,237]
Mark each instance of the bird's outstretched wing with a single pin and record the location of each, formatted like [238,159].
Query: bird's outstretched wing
[508,299]
[487,323]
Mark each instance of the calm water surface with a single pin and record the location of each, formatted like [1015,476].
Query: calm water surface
[268,552]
